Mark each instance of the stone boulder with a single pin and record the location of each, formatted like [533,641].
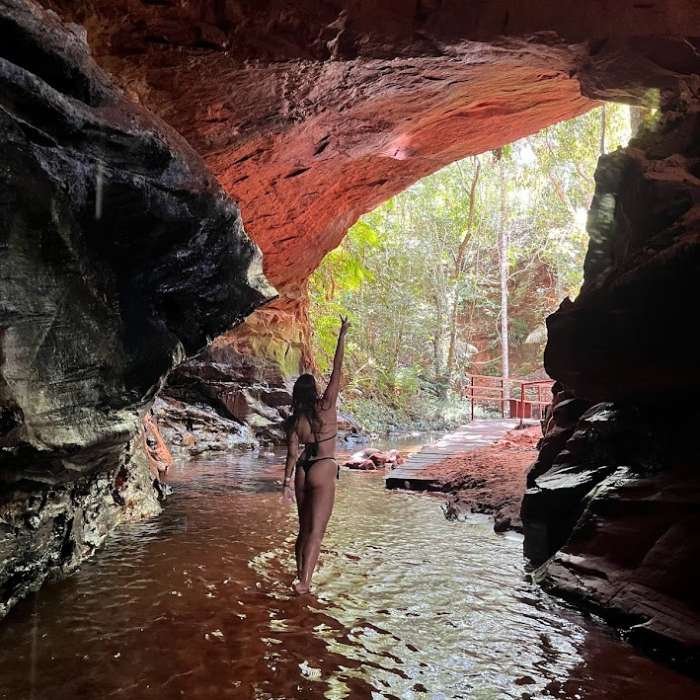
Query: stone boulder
[253,395]
[194,429]
[371,459]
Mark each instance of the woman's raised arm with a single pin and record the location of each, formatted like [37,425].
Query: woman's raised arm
[330,396]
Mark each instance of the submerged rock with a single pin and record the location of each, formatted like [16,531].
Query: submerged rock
[120,256]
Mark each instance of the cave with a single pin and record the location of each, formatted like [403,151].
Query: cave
[173,172]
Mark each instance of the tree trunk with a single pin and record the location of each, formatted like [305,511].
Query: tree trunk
[398,343]
[437,352]
[503,268]
[458,270]
[453,336]
[437,337]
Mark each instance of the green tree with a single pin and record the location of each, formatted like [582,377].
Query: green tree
[457,273]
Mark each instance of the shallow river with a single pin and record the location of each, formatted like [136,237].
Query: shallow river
[196,604]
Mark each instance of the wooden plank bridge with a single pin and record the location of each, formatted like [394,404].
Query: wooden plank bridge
[477,433]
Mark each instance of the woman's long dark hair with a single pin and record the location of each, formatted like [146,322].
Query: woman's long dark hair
[305,403]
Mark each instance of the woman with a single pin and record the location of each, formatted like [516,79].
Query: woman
[313,423]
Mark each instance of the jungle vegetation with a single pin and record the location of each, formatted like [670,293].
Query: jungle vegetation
[456,274]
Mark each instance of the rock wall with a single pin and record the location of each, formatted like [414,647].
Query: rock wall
[613,506]
[222,399]
[48,528]
[120,256]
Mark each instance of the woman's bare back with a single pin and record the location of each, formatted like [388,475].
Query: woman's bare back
[327,430]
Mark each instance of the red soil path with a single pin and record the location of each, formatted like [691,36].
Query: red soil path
[490,479]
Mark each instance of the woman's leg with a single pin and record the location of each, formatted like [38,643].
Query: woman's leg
[319,498]
[303,513]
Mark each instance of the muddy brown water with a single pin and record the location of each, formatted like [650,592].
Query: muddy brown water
[196,604]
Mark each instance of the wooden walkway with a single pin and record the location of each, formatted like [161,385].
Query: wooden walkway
[478,433]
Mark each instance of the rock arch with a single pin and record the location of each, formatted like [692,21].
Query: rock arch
[309,116]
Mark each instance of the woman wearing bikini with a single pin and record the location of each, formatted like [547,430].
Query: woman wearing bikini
[313,424]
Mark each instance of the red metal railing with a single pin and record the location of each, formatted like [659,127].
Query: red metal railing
[530,401]
[525,405]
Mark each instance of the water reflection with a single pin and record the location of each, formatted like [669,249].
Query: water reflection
[196,604]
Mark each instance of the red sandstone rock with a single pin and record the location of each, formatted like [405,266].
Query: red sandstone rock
[371,459]
[310,115]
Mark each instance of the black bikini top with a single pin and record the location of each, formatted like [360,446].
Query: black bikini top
[312,447]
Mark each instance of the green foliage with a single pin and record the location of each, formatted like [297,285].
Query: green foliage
[419,275]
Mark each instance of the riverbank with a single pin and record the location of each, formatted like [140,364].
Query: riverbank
[425,414]
[489,480]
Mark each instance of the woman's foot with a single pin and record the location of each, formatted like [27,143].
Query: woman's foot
[300,588]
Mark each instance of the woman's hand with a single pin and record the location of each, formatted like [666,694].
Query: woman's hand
[344,325]
[287,492]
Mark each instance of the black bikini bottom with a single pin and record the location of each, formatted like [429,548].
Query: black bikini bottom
[306,464]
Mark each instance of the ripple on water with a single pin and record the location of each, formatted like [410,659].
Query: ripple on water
[196,603]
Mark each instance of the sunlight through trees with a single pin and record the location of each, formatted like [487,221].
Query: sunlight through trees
[420,276]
